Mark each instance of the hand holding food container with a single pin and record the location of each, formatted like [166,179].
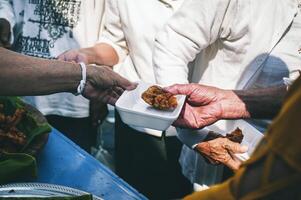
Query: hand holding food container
[153,107]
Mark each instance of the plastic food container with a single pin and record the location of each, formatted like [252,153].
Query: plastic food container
[251,135]
[134,111]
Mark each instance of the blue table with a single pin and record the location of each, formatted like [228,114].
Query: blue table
[64,163]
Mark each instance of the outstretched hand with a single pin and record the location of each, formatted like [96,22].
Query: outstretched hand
[222,150]
[205,105]
[104,85]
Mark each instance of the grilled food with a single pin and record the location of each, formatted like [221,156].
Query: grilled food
[159,99]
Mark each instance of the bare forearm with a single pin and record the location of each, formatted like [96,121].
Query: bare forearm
[262,103]
[23,75]
[101,54]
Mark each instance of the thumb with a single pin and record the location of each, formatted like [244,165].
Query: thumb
[124,83]
[61,57]
[180,89]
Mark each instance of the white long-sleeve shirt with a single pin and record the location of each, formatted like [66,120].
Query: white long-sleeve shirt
[130,28]
[48,28]
[242,44]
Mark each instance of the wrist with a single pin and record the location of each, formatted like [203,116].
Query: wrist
[233,106]
[91,74]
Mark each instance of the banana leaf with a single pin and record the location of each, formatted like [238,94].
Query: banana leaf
[21,166]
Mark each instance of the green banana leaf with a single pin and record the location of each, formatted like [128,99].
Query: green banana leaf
[17,167]
[21,166]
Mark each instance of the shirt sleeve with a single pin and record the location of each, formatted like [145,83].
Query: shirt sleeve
[194,27]
[113,32]
[7,12]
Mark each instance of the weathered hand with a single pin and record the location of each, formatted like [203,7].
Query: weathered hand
[206,105]
[77,55]
[222,150]
[104,85]
[4,33]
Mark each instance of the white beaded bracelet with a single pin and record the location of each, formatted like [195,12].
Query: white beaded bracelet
[82,83]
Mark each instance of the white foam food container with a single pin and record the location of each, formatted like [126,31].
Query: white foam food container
[134,111]
[251,135]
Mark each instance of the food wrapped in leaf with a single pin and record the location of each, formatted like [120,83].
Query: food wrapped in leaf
[23,129]
[23,133]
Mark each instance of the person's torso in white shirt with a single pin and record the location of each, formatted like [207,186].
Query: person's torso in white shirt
[282,61]
[140,21]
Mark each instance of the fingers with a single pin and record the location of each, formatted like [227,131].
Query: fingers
[234,147]
[4,32]
[68,57]
[123,83]
[109,96]
[233,163]
[118,90]
[62,57]
[181,89]
[186,118]
[73,56]
[221,151]
[192,118]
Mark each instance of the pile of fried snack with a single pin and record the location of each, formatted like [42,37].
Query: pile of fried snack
[159,99]
[12,140]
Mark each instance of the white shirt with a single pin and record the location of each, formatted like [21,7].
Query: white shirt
[130,28]
[242,44]
[48,28]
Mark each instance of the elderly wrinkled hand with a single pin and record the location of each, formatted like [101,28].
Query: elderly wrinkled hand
[222,150]
[104,85]
[205,105]
[4,33]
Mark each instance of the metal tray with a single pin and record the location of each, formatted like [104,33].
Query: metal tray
[39,190]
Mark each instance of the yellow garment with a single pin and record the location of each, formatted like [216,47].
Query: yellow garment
[281,146]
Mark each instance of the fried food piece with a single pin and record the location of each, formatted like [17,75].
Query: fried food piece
[14,136]
[11,138]
[234,136]
[159,99]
